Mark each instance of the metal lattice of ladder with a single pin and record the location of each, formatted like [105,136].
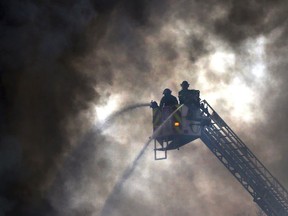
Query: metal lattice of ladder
[265,189]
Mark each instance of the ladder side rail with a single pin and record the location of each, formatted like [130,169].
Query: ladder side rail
[271,202]
[231,144]
[248,172]
[251,169]
[227,144]
[239,158]
[259,164]
[266,173]
[224,156]
[267,207]
[226,126]
[244,165]
[276,184]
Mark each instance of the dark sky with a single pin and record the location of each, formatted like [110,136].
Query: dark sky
[66,65]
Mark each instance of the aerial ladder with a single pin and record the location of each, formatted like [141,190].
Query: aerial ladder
[265,189]
[224,143]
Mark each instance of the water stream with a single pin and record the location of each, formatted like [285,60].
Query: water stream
[106,210]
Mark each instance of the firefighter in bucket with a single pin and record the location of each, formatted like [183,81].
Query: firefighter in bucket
[190,98]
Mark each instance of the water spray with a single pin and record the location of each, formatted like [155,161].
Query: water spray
[116,114]
[130,169]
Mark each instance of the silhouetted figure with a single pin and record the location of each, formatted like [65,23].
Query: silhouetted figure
[183,94]
[191,98]
[168,99]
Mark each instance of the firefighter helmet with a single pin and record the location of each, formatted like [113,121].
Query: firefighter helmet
[167,91]
[185,83]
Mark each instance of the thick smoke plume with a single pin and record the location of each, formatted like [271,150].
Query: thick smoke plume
[62,60]
[45,99]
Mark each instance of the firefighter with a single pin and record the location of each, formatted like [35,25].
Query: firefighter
[187,96]
[191,98]
[168,99]
[182,95]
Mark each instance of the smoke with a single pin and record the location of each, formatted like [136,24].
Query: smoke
[45,100]
[119,185]
[60,60]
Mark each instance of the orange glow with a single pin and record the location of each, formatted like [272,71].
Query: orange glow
[176,124]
